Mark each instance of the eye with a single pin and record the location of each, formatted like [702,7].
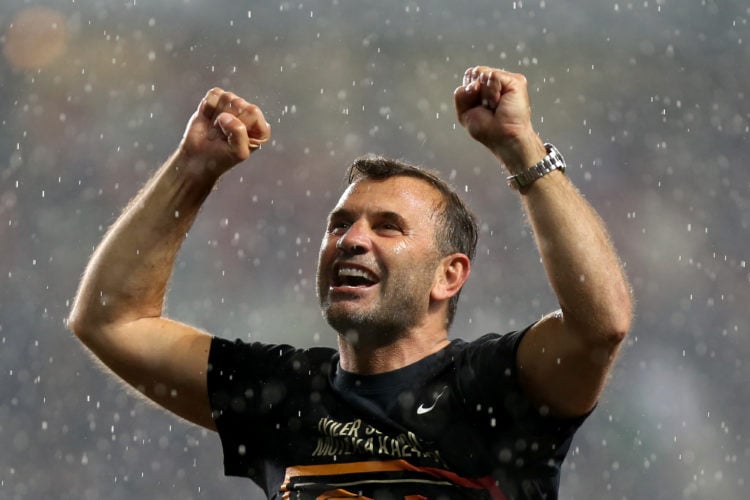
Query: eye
[389,228]
[338,227]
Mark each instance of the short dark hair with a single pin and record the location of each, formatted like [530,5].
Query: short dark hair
[456,224]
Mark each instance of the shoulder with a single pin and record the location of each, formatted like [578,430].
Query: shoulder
[260,358]
[249,378]
[491,347]
[486,368]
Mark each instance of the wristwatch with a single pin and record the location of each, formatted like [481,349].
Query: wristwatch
[553,161]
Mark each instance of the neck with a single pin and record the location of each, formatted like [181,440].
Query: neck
[373,358]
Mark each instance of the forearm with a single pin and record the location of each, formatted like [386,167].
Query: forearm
[127,276]
[563,360]
[579,258]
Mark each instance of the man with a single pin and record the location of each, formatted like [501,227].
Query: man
[400,411]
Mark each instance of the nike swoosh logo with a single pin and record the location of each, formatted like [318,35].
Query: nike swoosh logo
[427,409]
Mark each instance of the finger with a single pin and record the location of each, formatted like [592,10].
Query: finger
[208,105]
[495,83]
[480,89]
[235,132]
[467,77]
[492,89]
[505,81]
[258,129]
[472,74]
[481,79]
[224,104]
[247,126]
[466,97]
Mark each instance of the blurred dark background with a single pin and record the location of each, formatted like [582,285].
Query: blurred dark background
[647,100]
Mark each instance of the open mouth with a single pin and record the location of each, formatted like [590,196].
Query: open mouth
[353,277]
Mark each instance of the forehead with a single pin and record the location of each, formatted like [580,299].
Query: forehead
[399,194]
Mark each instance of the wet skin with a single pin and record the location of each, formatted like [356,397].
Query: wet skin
[378,258]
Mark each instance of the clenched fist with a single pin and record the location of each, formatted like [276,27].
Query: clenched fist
[493,106]
[223,131]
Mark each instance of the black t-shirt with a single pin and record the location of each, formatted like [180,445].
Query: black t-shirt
[454,425]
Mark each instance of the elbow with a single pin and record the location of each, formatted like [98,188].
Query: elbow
[83,320]
[619,320]
[608,331]
[618,329]
[90,314]
[89,320]
[78,323]
[81,314]
[87,328]
[605,323]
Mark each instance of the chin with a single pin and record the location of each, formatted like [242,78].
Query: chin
[344,319]
[360,328]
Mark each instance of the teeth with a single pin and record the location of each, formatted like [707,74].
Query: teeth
[352,272]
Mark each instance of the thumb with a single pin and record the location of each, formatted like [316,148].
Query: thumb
[236,133]
[466,97]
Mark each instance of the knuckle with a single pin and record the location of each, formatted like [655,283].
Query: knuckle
[224,100]
[251,108]
[215,91]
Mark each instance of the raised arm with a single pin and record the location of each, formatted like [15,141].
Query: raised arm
[117,311]
[565,358]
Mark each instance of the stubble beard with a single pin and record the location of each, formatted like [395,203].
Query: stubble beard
[379,324]
[395,312]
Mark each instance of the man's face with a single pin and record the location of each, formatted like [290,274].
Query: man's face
[378,258]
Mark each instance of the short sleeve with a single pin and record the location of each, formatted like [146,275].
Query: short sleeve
[245,384]
[522,433]
[250,386]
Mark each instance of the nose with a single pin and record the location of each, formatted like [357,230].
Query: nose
[355,240]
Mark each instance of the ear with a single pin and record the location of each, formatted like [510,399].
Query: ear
[450,276]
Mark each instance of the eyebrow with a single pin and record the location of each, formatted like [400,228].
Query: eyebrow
[340,213]
[344,213]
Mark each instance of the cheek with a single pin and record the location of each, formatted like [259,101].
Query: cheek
[327,251]
[400,247]
[325,243]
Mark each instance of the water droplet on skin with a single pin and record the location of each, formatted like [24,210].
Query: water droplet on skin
[400,247]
